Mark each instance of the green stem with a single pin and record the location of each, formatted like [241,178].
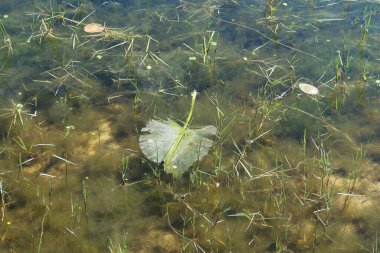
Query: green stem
[172,152]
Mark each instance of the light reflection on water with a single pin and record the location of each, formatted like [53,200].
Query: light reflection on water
[288,172]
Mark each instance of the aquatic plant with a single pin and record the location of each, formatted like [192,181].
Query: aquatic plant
[287,173]
[7,41]
[178,147]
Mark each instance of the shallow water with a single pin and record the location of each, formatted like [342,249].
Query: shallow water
[288,171]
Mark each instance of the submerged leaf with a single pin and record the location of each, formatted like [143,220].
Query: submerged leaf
[94,28]
[308,89]
[158,144]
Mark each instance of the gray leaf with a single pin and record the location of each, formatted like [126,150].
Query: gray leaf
[159,137]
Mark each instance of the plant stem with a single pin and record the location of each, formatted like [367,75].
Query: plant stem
[172,152]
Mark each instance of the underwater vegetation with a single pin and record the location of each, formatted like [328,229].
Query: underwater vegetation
[189,126]
[177,147]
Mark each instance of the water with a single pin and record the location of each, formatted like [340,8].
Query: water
[288,172]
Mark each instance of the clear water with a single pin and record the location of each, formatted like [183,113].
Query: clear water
[289,172]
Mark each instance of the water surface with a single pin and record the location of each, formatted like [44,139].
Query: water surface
[288,171]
